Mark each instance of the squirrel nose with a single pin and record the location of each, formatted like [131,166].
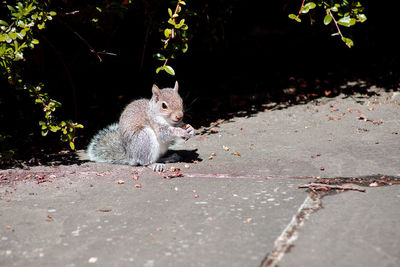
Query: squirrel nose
[178,117]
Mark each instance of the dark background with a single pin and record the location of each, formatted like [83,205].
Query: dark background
[242,54]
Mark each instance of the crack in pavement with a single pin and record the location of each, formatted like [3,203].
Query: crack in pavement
[311,204]
[289,235]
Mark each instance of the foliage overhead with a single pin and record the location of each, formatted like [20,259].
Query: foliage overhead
[342,12]
[177,21]
[18,31]
[176,38]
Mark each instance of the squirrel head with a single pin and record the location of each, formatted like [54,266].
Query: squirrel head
[168,104]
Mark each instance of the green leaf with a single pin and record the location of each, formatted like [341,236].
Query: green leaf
[53,13]
[20,23]
[348,42]
[56,103]
[8,40]
[294,17]
[23,32]
[72,145]
[19,36]
[4,23]
[170,12]
[159,56]
[12,35]
[362,17]
[3,37]
[185,48]
[167,32]
[11,8]
[327,19]
[159,68]
[305,9]
[347,21]
[310,5]
[43,125]
[180,24]
[171,21]
[41,26]
[169,70]
[165,43]
[19,56]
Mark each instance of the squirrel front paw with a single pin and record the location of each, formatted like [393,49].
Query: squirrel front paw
[188,131]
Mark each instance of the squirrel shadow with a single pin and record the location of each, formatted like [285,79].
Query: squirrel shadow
[186,156]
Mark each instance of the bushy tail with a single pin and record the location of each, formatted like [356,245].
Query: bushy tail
[106,146]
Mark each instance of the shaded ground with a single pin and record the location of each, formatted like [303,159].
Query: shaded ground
[237,203]
[203,112]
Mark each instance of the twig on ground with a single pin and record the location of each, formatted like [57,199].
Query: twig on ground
[364,118]
[327,187]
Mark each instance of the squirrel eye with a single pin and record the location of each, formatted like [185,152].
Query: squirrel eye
[164,106]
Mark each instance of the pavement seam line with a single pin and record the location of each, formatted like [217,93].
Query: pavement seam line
[290,234]
[245,176]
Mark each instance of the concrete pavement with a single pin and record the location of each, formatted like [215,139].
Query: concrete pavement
[236,205]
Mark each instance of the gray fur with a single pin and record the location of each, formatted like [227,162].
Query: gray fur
[106,146]
[143,147]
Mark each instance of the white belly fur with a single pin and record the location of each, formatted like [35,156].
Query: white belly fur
[163,149]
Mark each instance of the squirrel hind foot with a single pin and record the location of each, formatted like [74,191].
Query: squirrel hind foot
[158,167]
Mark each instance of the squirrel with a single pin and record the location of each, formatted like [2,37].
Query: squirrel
[144,132]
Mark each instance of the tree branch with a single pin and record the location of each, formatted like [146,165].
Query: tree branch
[301,7]
[91,49]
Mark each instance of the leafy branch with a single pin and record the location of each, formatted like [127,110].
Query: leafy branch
[17,33]
[67,128]
[328,18]
[349,13]
[177,30]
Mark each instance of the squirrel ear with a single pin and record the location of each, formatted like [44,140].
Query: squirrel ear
[156,92]
[176,86]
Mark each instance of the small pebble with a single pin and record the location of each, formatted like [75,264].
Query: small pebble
[92,260]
